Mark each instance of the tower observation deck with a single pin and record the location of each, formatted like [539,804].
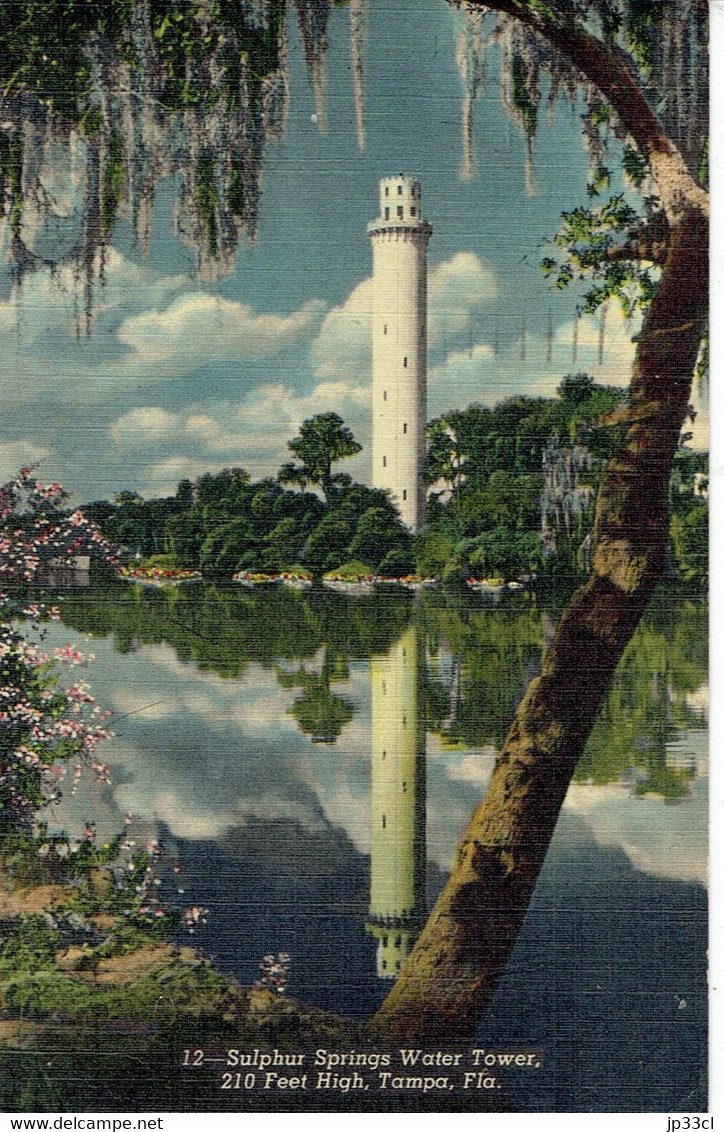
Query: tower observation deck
[399,346]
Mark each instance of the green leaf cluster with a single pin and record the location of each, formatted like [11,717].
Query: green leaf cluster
[587,241]
[489,464]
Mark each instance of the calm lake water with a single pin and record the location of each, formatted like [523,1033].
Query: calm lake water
[309,761]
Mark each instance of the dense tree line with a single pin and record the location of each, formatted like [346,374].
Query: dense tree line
[490,464]
[225,522]
[511,494]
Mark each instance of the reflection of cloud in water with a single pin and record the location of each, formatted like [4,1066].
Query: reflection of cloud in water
[662,840]
[197,792]
[255,701]
[207,777]
[474,766]
[134,700]
[220,753]
[665,841]
[217,754]
[91,801]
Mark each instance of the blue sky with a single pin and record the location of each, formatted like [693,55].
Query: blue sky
[180,377]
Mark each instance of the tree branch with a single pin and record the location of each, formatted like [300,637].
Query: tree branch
[649,243]
[607,68]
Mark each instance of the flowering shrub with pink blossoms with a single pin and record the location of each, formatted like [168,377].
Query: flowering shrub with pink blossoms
[34,529]
[50,729]
[43,725]
[46,722]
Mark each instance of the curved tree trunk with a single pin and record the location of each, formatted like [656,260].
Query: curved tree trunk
[467,940]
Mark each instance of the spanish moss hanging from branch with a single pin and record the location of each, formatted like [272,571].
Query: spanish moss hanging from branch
[470,51]
[312,18]
[125,93]
[357,36]
[602,333]
[665,45]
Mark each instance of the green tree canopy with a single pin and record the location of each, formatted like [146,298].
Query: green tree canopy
[323,440]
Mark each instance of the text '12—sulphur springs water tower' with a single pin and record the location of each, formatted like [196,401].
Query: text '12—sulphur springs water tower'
[399,346]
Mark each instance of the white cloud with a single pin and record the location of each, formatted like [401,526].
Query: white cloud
[46,301]
[457,287]
[149,327]
[145,424]
[252,434]
[477,374]
[197,328]
[281,406]
[618,346]
[146,327]
[343,345]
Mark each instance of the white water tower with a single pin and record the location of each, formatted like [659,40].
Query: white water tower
[399,346]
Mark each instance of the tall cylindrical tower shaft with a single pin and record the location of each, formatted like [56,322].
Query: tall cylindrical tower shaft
[399,346]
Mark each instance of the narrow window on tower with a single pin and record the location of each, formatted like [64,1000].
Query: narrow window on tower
[384,394]
[384,821]
[387,190]
[399,190]
[404,363]
[400,211]
[384,329]
[404,494]
[413,211]
[387,214]
[404,427]
[384,461]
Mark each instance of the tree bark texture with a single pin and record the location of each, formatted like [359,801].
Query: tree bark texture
[467,940]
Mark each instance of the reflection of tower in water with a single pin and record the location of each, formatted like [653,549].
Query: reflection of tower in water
[397,895]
